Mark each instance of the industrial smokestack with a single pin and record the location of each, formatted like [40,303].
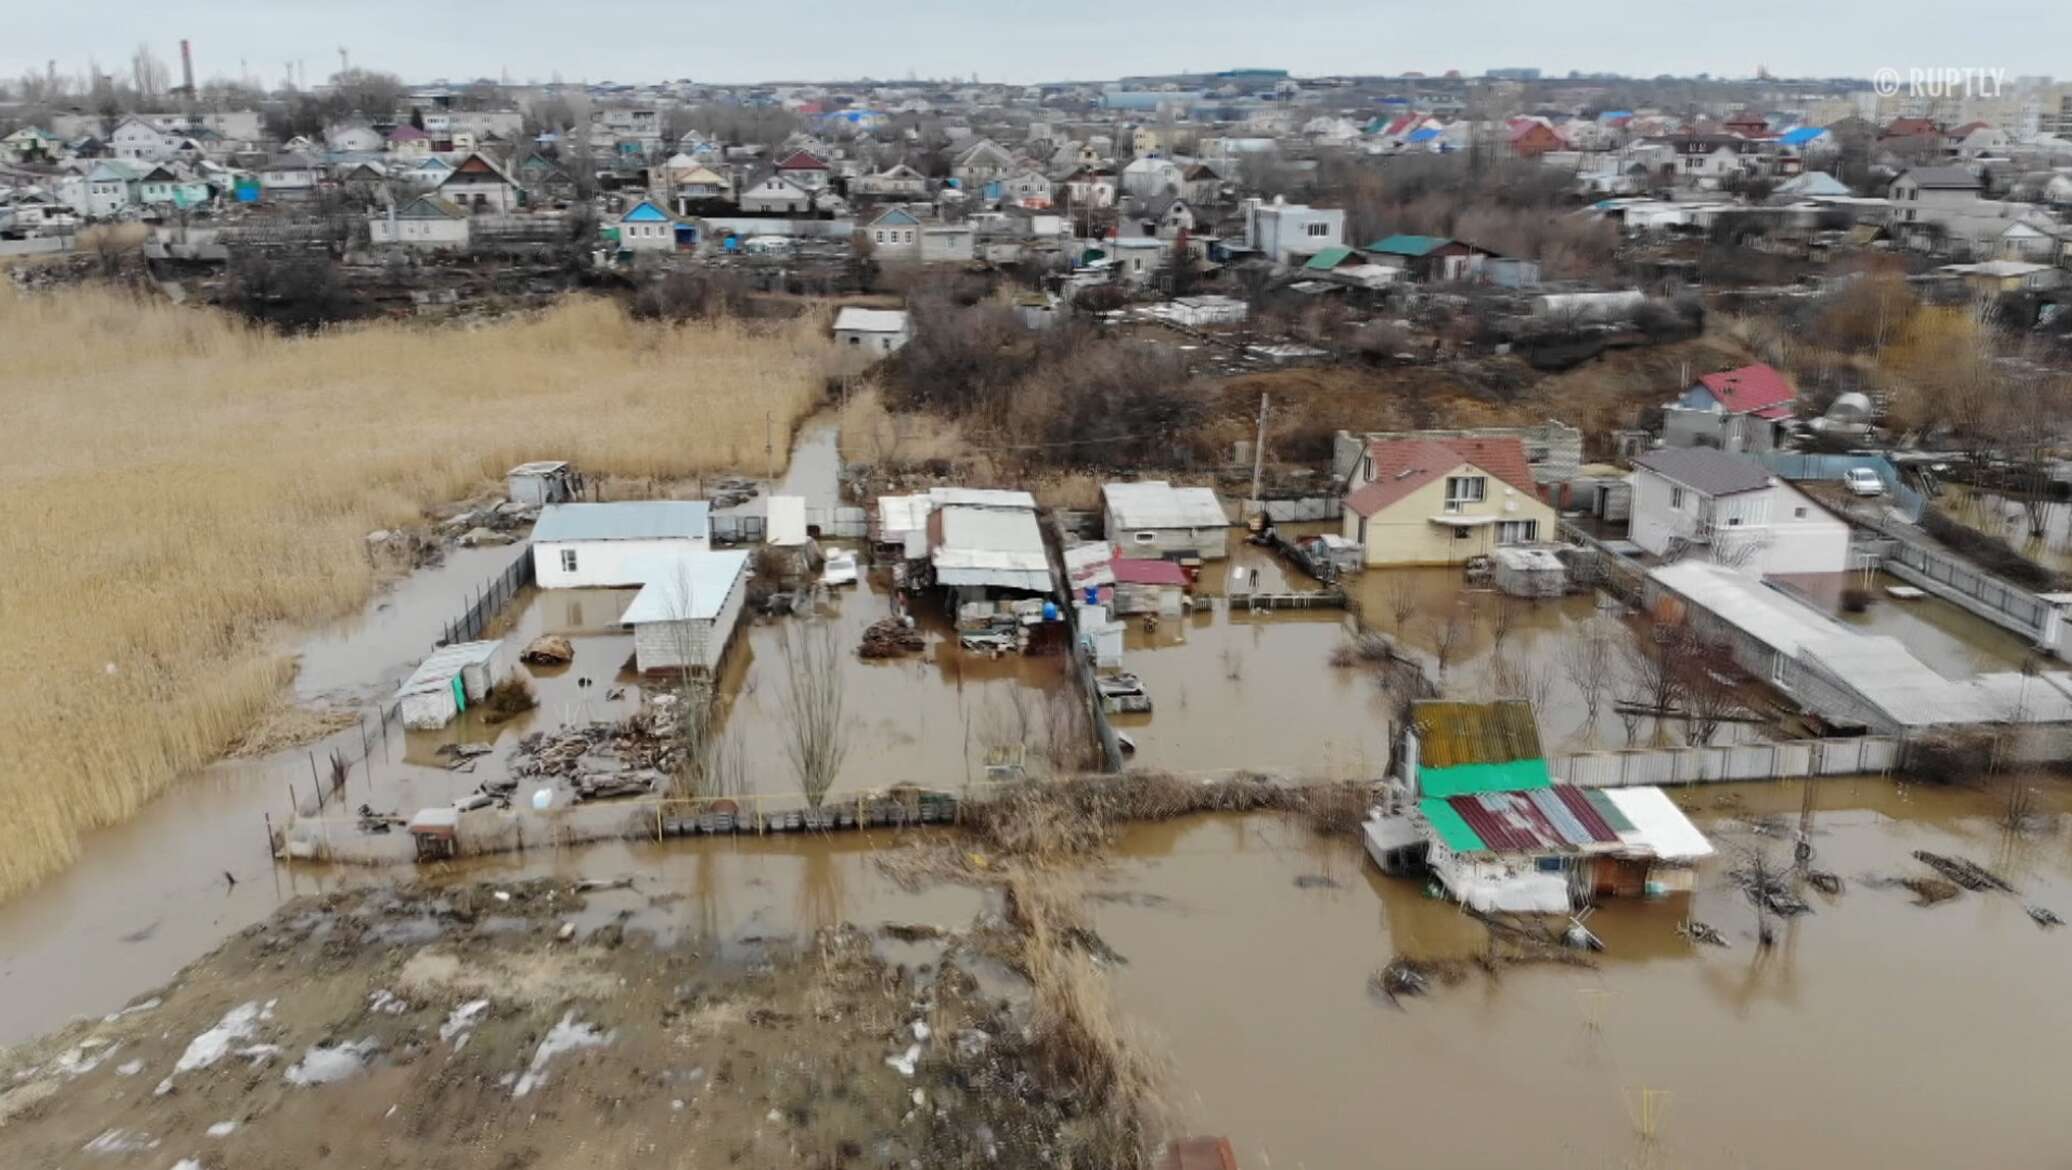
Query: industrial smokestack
[186,67]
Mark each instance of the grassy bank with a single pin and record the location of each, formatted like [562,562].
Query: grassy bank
[181,488]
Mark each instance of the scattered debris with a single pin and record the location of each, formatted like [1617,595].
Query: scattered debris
[912,931]
[890,638]
[1827,883]
[1701,932]
[1969,874]
[1315,881]
[1404,976]
[548,650]
[1930,891]
[2043,917]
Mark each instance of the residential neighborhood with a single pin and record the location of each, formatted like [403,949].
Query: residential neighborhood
[1026,620]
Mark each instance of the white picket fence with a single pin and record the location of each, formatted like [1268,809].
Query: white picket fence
[1722,763]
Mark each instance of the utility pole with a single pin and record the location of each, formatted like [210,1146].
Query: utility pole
[770,445]
[1259,457]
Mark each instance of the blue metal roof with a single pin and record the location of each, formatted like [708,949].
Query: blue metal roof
[644,212]
[1424,135]
[1800,136]
[1408,245]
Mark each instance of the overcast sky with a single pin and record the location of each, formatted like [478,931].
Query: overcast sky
[642,40]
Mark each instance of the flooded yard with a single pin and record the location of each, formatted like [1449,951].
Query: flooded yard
[1855,1042]
[1952,640]
[2008,519]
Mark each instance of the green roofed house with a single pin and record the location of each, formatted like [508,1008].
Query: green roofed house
[1500,833]
[1429,258]
[1330,258]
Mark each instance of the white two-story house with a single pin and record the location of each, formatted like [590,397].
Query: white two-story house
[1699,501]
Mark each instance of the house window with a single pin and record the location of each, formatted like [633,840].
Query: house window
[1146,538]
[1676,498]
[568,560]
[1517,531]
[1798,513]
[885,343]
[855,341]
[1317,230]
[1547,864]
[1462,490]
[1460,534]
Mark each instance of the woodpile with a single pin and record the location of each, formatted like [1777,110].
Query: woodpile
[601,759]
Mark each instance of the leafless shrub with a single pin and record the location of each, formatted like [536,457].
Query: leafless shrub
[816,727]
[1449,634]
[1586,661]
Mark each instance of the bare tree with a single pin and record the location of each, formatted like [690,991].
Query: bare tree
[1587,662]
[1399,593]
[1503,620]
[1708,681]
[1650,668]
[1449,637]
[817,729]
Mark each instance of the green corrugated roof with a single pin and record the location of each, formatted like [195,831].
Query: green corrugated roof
[1453,830]
[1602,802]
[1328,259]
[1467,779]
[1408,245]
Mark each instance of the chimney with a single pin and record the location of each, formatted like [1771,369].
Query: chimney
[186,67]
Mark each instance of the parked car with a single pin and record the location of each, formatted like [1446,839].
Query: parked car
[1863,482]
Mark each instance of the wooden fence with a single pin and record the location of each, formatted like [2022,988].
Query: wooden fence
[1725,763]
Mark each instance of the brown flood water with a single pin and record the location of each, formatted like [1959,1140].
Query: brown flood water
[1876,1033]
[1999,516]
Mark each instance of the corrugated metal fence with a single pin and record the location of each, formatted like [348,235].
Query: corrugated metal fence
[490,599]
[1718,764]
[2010,605]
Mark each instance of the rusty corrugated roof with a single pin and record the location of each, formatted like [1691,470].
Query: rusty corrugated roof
[1199,1153]
[1561,819]
[1450,734]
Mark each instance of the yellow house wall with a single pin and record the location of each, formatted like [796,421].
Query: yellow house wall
[1403,533]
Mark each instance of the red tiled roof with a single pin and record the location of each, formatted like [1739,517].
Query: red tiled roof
[800,160]
[1401,466]
[406,132]
[1137,571]
[1750,390]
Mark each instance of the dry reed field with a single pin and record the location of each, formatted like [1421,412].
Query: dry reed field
[184,491]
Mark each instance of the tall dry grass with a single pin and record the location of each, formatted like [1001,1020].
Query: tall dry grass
[181,489]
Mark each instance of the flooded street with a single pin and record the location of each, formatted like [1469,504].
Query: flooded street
[1855,1042]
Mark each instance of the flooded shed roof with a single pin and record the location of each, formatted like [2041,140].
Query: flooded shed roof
[1158,504]
[693,588]
[436,672]
[1558,819]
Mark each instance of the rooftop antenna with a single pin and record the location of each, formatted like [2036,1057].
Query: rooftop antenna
[345,61]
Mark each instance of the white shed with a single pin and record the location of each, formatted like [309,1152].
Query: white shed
[444,684]
[874,331]
[577,546]
[684,617]
[1155,519]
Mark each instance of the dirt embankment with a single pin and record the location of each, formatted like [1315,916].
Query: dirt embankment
[527,1025]
[1606,392]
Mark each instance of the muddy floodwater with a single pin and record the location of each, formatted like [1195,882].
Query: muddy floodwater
[2008,519]
[1875,1034]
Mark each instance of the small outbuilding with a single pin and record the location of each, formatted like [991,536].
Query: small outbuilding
[1530,572]
[685,616]
[542,482]
[877,332]
[615,545]
[1156,520]
[443,685]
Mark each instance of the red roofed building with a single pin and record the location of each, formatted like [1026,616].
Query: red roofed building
[804,169]
[1734,410]
[1439,500]
[1535,139]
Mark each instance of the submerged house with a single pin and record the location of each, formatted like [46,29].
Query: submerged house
[1443,499]
[984,541]
[1156,520]
[684,618]
[1500,833]
[615,545]
[443,685]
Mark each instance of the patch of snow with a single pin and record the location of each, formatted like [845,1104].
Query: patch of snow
[88,1056]
[223,1129]
[461,1020]
[129,1068]
[566,1036]
[906,1063]
[322,1066]
[133,1009]
[386,1002]
[121,1141]
[920,1030]
[209,1047]
[187,1164]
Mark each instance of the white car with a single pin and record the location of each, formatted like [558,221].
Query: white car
[1863,482]
[841,568]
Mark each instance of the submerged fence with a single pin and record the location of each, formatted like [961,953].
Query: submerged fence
[490,599]
[1723,763]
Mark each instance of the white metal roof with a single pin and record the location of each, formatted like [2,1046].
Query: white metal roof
[991,546]
[1755,609]
[625,520]
[1155,503]
[436,671]
[981,498]
[787,521]
[538,467]
[871,320]
[899,515]
[693,588]
[1658,825]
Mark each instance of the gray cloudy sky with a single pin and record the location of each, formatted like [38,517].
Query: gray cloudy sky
[635,40]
